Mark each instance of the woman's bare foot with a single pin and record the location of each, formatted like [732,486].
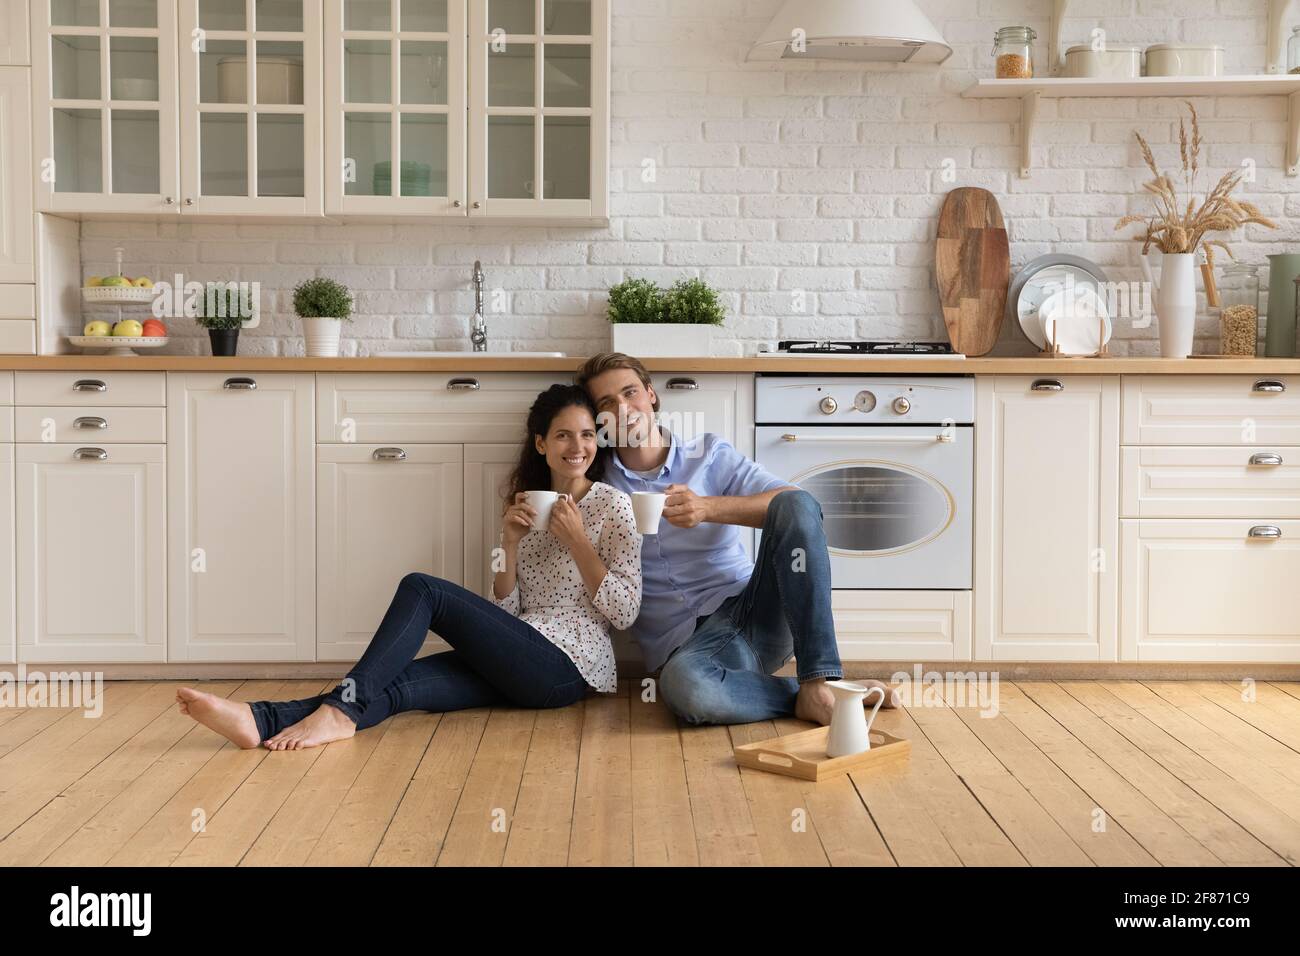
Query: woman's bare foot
[323,725]
[815,702]
[233,719]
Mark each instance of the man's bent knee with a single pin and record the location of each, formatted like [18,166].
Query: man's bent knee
[692,695]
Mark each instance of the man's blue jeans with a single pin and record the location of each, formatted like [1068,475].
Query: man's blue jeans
[723,673]
[496,660]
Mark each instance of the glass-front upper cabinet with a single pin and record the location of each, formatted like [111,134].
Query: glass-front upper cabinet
[395,121]
[250,107]
[538,108]
[104,113]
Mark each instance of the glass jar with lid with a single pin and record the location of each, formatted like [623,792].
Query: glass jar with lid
[1293,52]
[1013,53]
[1239,309]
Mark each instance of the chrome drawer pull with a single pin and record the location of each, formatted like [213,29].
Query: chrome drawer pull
[683,384]
[89,421]
[1047,385]
[1266,531]
[89,385]
[880,440]
[463,385]
[1269,386]
[389,454]
[1270,460]
[239,384]
[92,454]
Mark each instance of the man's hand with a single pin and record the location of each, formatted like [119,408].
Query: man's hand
[684,508]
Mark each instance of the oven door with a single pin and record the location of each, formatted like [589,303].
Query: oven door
[896,500]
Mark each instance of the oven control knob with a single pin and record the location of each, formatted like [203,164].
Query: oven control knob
[902,405]
[828,405]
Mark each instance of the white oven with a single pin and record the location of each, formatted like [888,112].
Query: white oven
[890,460]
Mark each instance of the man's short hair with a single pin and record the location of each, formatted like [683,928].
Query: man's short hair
[598,365]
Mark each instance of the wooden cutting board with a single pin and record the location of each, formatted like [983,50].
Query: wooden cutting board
[973,268]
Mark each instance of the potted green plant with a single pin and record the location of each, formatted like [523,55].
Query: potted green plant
[646,320]
[323,305]
[222,309]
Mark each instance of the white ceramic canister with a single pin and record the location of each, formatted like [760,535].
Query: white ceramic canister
[1184,59]
[1116,62]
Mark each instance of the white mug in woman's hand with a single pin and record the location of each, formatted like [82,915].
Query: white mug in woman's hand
[542,502]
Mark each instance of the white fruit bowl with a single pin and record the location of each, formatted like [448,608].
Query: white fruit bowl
[117,294]
[118,344]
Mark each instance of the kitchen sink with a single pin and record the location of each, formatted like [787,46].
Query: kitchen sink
[469,355]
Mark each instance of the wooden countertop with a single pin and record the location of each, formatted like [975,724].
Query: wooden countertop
[504,363]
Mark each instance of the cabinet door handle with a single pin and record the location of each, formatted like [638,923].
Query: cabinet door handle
[1271,460]
[189,201]
[389,454]
[170,201]
[1047,385]
[477,204]
[457,203]
[1266,531]
[1269,386]
[683,384]
[463,385]
[239,384]
[90,454]
[90,421]
[89,385]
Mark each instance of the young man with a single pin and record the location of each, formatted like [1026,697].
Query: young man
[716,625]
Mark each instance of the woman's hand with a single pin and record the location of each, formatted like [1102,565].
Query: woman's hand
[517,521]
[566,524]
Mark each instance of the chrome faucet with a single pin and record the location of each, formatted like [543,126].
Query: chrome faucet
[478,331]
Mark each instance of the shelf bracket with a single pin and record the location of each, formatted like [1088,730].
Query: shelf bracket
[1275,52]
[1028,117]
[1055,59]
[1293,137]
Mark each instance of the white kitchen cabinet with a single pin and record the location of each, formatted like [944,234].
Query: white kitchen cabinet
[1211,409]
[1223,590]
[17,262]
[383,511]
[487,471]
[691,404]
[177,106]
[903,625]
[91,571]
[1046,518]
[14,49]
[241,517]
[539,108]
[8,550]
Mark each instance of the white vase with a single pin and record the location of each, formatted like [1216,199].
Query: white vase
[1175,298]
[662,338]
[322,337]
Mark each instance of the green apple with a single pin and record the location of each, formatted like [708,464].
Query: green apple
[128,327]
[97,327]
[94,281]
[143,283]
[116,281]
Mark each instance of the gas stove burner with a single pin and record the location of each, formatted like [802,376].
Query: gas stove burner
[865,348]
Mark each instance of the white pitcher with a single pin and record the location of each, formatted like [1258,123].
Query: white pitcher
[1175,298]
[850,727]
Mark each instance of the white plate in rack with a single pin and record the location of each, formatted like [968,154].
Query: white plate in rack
[118,344]
[117,294]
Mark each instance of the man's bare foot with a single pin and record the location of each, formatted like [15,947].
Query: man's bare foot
[323,725]
[233,719]
[815,702]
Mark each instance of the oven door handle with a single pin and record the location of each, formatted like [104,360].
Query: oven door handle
[941,438]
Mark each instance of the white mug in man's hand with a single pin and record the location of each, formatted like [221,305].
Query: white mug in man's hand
[648,507]
[542,502]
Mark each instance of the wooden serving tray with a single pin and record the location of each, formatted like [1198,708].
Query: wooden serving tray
[803,755]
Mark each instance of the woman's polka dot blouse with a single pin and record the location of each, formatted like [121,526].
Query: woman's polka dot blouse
[549,593]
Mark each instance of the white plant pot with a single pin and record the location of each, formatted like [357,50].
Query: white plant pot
[322,337]
[1175,302]
[662,338]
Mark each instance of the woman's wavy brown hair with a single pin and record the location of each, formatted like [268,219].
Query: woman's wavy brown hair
[532,473]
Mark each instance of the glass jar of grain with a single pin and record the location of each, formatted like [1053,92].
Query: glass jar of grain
[1239,310]
[1013,53]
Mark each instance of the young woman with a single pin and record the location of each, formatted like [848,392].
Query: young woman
[541,641]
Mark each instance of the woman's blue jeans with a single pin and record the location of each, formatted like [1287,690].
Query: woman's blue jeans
[496,659]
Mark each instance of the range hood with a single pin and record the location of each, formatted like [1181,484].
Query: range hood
[862,31]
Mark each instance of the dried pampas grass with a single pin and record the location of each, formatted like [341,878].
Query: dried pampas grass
[1175,228]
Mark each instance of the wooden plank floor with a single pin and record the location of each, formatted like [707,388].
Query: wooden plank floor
[1090,773]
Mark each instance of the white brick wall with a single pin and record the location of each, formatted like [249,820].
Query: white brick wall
[775,182]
